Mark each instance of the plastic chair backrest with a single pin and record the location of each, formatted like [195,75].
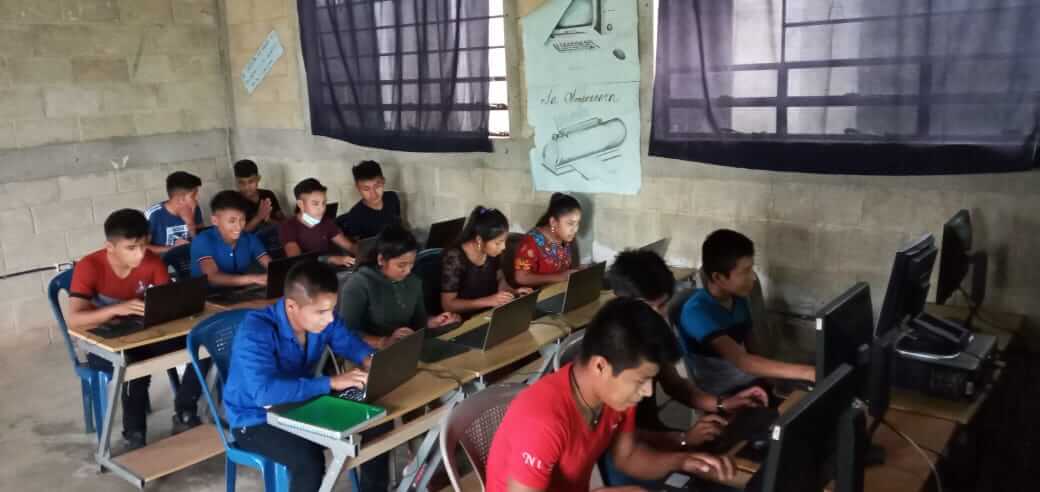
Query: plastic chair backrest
[179,258]
[60,282]
[428,269]
[569,349]
[215,333]
[472,425]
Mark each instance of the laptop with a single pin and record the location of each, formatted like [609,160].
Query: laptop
[331,211]
[162,303]
[391,367]
[442,234]
[505,322]
[660,247]
[277,270]
[583,287]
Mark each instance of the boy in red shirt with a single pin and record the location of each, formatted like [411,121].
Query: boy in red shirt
[554,431]
[109,283]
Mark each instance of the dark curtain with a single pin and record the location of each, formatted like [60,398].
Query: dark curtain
[849,86]
[407,75]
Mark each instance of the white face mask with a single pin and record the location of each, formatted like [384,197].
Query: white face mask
[308,220]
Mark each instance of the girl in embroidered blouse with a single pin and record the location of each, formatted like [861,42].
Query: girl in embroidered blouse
[471,277]
[545,255]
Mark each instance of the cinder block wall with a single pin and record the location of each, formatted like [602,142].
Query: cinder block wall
[99,100]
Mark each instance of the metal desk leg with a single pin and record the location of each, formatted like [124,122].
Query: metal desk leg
[335,469]
[424,462]
[548,354]
[114,390]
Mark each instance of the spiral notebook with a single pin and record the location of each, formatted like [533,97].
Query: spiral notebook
[325,415]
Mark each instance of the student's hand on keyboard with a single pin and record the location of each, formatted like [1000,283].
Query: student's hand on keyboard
[704,463]
[523,291]
[397,335]
[499,298]
[443,319]
[354,378]
[706,429]
[752,397]
[133,307]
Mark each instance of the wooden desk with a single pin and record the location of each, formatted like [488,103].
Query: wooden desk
[541,332]
[904,467]
[165,456]
[1004,326]
[257,304]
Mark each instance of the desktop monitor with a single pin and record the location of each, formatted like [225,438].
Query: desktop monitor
[845,332]
[957,259]
[908,284]
[818,440]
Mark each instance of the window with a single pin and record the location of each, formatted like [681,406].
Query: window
[815,75]
[406,75]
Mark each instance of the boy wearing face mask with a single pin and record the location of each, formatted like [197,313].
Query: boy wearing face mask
[309,231]
[174,221]
[226,253]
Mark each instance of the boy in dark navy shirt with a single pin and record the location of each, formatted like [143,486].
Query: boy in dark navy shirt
[376,209]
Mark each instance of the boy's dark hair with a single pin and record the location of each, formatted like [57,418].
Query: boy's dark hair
[246,168]
[393,241]
[309,185]
[560,204]
[307,279]
[366,170]
[229,200]
[641,274]
[485,223]
[721,251]
[626,332]
[180,181]
[127,223]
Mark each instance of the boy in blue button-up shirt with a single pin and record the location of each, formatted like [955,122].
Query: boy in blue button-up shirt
[225,252]
[273,359]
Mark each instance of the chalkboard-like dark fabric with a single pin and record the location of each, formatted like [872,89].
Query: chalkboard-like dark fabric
[849,86]
[406,75]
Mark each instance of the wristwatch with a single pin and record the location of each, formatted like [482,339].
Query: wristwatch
[720,404]
[682,441]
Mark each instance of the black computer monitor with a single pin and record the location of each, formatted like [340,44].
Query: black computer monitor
[908,284]
[844,334]
[957,259]
[819,439]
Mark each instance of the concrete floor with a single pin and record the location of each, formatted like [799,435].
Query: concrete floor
[43,446]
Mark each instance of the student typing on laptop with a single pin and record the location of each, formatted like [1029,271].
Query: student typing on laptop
[547,254]
[384,301]
[309,231]
[555,430]
[108,284]
[273,359]
[226,253]
[471,280]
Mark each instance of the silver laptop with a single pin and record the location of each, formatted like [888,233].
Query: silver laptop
[505,322]
[391,367]
[583,287]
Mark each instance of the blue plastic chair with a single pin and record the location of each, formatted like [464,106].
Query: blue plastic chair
[93,382]
[216,333]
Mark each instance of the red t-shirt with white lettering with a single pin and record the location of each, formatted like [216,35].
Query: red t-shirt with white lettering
[94,280]
[545,443]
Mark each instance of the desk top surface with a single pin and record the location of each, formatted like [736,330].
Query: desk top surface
[154,334]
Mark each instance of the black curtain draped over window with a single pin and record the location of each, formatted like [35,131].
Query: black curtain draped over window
[891,87]
[407,75]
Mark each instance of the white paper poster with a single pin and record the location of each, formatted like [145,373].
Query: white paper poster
[582,69]
[260,65]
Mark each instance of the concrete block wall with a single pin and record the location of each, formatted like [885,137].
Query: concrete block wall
[81,70]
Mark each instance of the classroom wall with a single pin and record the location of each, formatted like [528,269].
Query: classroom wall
[816,235]
[99,100]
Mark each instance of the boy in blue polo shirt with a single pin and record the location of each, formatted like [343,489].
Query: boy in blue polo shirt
[174,221]
[225,253]
[715,325]
[273,358]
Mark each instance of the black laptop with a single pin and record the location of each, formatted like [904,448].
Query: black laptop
[504,322]
[442,234]
[391,367]
[162,303]
[331,211]
[583,287]
[277,270]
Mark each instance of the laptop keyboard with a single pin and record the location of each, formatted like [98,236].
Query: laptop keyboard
[120,327]
[253,293]
[353,394]
[553,305]
[473,338]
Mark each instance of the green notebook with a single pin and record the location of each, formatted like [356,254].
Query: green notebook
[326,415]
